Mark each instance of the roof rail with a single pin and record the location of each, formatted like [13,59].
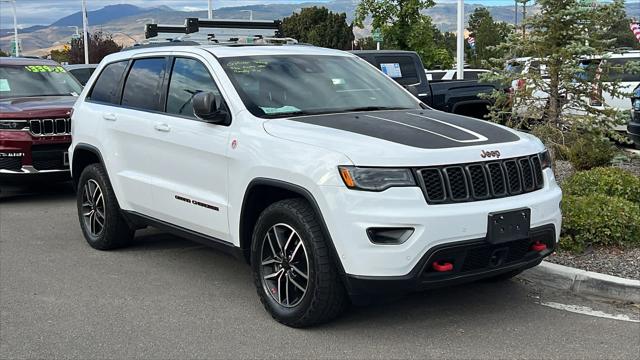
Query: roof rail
[159,44]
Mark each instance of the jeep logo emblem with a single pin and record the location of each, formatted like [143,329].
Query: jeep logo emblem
[489,154]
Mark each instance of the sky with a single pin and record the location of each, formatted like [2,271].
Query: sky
[45,12]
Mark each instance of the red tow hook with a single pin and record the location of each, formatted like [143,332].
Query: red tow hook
[442,266]
[538,246]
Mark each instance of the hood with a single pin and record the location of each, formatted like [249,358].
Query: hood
[406,137]
[36,107]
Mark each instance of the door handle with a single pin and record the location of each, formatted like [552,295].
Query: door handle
[162,127]
[109,116]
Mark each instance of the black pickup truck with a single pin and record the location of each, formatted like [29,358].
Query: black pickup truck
[454,96]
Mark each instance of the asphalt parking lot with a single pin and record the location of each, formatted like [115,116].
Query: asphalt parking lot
[165,297]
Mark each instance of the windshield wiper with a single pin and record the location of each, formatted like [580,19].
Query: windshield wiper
[374,108]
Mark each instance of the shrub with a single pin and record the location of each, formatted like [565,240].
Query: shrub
[589,151]
[599,220]
[607,181]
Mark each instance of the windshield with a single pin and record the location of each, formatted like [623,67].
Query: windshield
[289,85]
[36,80]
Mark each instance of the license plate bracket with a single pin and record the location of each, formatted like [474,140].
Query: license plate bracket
[509,225]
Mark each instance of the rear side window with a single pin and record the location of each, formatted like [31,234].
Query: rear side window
[188,78]
[617,70]
[143,85]
[107,86]
[401,68]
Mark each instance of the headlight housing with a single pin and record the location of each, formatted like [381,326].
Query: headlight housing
[545,159]
[13,124]
[375,179]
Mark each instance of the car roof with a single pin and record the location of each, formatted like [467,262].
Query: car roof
[26,61]
[80,66]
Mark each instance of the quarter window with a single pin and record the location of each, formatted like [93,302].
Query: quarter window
[188,78]
[107,86]
[142,88]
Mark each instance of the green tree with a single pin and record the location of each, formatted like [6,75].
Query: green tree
[562,36]
[404,27]
[366,43]
[488,34]
[320,27]
[3,54]
[61,55]
[101,44]
[620,29]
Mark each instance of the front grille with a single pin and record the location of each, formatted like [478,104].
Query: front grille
[49,127]
[49,157]
[480,257]
[481,181]
[10,163]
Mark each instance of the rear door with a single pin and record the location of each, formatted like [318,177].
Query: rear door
[128,132]
[189,164]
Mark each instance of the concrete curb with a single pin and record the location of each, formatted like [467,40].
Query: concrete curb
[584,282]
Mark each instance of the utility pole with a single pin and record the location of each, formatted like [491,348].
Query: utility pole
[210,12]
[85,31]
[516,12]
[15,26]
[460,41]
[524,17]
[250,14]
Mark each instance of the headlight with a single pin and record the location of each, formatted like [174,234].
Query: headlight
[13,124]
[545,159]
[375,179]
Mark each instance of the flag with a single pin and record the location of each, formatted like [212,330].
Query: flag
[472,42]
[635,27]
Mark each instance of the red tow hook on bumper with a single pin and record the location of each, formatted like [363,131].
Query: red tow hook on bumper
[538,246]
[442,266]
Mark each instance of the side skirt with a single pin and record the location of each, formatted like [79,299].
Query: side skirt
[140,220]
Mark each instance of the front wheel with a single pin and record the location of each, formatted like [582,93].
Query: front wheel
[294,272]
[101,221]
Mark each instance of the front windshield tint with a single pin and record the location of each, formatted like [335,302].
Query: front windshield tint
[290,85]
[36,80]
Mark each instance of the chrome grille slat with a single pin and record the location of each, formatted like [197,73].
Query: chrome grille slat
[480,181]
[50,127]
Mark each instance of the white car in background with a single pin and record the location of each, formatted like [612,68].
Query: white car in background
[445,75]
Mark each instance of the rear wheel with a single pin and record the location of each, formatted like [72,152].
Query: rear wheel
[101,221]
[294,273]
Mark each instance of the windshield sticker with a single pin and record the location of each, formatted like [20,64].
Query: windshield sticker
[44,68]
[281,110]
[4,85]
[391,69]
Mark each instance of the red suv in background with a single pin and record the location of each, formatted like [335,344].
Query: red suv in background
[36,97]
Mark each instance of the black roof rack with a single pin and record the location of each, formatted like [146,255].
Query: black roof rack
[193,25]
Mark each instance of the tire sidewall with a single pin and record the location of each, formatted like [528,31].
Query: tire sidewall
[273,216]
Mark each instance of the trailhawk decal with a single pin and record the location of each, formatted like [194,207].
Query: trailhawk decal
[427,129]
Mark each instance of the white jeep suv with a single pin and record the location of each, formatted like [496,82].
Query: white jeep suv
[328,177]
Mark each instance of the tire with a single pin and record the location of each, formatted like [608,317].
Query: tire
[324,296]
[113,231]
[504,277]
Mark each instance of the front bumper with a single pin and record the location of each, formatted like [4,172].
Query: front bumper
[350,213]
[28,175]
[472,260]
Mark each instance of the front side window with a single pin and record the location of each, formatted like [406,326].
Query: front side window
[401,68]
[290,85]
[108,84]
[188,78]
[36,80]
[143,85]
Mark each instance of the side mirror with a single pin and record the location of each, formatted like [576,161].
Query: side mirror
[413,89]
[210,107]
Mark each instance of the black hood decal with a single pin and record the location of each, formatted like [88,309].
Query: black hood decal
[427,129]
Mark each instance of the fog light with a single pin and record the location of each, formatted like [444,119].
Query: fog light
[389,236]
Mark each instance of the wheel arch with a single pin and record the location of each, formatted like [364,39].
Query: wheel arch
[255,201]
[83,156]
